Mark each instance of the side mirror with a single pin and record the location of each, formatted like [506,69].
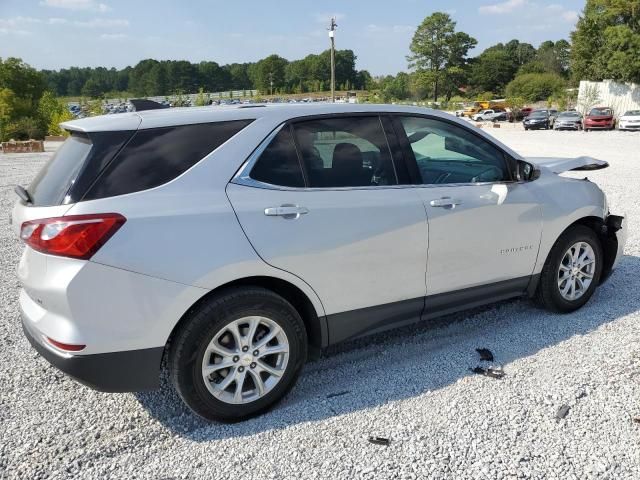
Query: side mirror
[527,172]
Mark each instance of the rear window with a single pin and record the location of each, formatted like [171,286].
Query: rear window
[156,156]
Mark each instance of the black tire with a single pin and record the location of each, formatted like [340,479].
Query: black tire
[548,293]
[188,347]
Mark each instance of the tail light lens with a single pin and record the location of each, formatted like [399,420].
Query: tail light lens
[75,236]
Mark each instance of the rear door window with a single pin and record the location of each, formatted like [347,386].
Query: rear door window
[156,156]
[345,152]
[278,164]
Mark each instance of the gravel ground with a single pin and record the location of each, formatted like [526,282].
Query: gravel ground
[412,386]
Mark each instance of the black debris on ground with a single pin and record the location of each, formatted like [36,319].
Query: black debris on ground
[338,394]
[485,354]
[491,372]
[380,441]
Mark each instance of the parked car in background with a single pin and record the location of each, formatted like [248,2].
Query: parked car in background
[489,114]
[599,118]
[205,236]
[526,111]
[537,120]
[501,117]
[568,121]
[630,120]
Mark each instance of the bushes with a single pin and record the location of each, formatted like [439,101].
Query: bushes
[536,86]
[24,128]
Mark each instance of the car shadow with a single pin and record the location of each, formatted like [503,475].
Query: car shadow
[410,361]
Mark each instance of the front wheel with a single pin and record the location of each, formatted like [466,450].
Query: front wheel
[238,354]
[572,270]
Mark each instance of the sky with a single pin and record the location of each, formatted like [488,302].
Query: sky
[54,34]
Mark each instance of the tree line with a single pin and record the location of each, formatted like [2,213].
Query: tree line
[153,77]
[604,45]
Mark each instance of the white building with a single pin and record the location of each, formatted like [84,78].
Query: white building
[621,97]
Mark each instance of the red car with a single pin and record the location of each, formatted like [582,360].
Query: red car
[599,118]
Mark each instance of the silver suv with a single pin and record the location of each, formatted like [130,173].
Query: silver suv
[237,242]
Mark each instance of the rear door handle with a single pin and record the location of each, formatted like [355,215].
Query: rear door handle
[286,211]
[445,202]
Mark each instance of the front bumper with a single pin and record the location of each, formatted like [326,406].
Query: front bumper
[614,239]
[127,371]
[536,126]
[629,126]
[567,126]
[598,126]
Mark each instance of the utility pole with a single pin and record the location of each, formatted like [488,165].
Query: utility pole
[332,34]
[271,82]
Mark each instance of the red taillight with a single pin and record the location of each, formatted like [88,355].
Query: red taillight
[75,236]
[65,346]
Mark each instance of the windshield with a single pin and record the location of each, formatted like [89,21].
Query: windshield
[632,113]
[542,114]
[569,115]
[600,111]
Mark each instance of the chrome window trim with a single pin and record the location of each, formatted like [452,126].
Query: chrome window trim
[242,177]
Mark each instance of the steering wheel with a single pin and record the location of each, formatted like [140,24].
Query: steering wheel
[489,175]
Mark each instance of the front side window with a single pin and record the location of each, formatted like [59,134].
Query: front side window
[345,152]
[446,153]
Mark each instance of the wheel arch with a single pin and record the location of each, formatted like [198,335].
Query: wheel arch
[315,323]
[608,242]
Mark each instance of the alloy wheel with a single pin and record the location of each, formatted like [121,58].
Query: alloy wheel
[576,271]
[245,360]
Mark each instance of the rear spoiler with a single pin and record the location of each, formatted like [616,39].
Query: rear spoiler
[559,165]
[141,104]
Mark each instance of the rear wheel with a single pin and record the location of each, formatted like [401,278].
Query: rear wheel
[572,270]
[238,354]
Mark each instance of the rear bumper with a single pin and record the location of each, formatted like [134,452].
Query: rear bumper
[128,371]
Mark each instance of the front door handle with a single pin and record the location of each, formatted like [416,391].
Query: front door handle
[445,202]
[286,211]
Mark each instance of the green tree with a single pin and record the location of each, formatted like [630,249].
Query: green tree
[270,69]
[536,86]
[200,100]
[7,108]
[92,89]
[492,70]
[436,48]
[606,42]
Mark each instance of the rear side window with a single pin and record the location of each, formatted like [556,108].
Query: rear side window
[278,164]
[156,156]
[52,182]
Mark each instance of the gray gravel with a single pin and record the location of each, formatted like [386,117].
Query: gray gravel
[412,386]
